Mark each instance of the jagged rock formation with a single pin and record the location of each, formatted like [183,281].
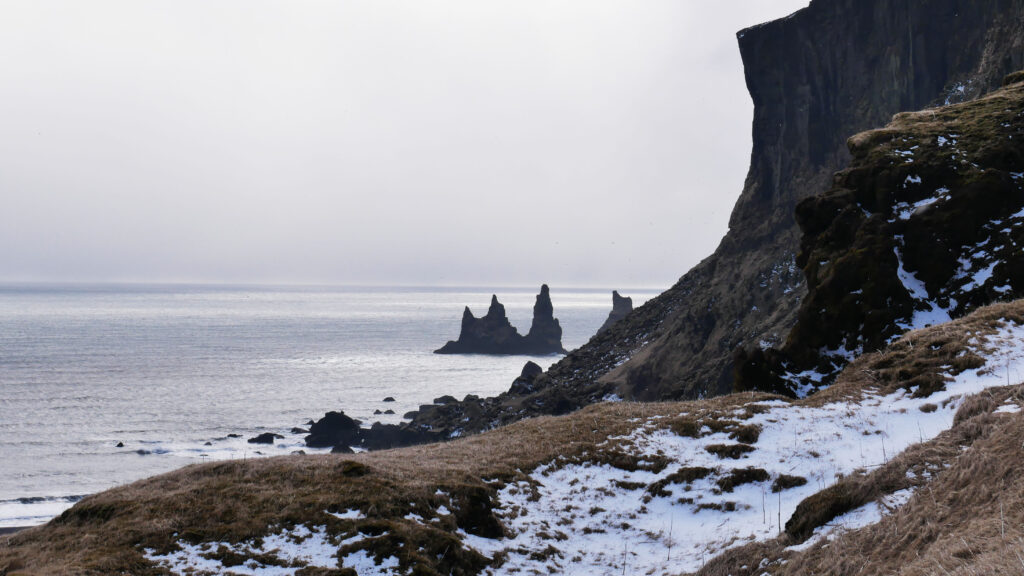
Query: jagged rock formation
[620,307]
[494,334]
[490,334]
[545,335]
[924,226]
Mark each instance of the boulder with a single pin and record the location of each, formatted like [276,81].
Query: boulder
[265,438]
[525,383]
[333,429]
[384,436]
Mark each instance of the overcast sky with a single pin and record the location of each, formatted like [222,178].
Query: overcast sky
[477,142]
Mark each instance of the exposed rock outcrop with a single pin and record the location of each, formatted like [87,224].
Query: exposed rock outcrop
[334,429]
[545,335]
[494,334]
[924,226]
[265,438]
[620,307]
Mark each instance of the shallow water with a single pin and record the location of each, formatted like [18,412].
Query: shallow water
[166,370]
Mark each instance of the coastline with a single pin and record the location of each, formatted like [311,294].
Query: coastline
[12,529]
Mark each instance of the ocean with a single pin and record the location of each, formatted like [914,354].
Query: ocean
[169,372]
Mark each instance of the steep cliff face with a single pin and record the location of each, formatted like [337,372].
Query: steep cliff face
[831,70]
[925,225]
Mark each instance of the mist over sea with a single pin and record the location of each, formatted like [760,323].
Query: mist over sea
[171,371]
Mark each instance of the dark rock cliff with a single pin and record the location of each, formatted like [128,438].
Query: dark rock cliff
[924,226]
[831,70]
[494,334]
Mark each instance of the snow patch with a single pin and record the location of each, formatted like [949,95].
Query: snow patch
[593,519]
[353,514]
[866,515]
[301,545]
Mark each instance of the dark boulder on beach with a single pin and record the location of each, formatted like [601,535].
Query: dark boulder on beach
[342,449]
[494,334]
[265,438]
[621,306]
[384,436]
[298,430]
[525,383]
[333,429]
[389,399]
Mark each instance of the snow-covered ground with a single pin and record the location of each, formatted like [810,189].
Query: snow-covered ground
[586,518]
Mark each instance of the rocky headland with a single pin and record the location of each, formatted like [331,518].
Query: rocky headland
[829,71]
[494,334]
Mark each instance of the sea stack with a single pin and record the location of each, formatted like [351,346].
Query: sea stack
[545,336]
[494,334]
[620,307]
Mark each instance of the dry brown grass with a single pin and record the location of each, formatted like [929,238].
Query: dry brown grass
[920,358]
[237,501]
[966,518]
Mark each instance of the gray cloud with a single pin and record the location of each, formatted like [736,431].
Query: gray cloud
[462,142]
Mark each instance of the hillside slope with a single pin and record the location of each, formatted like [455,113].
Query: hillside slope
[642,488]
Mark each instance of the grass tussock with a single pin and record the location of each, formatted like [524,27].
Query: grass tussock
[923,360]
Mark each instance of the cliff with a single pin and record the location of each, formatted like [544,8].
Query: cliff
[831,70]
[923,226]
[494,334]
